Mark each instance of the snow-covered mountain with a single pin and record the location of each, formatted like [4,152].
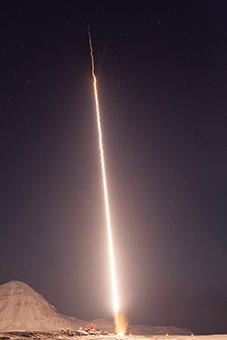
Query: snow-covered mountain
[22,308]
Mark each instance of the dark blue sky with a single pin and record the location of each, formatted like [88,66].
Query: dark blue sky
[161,71]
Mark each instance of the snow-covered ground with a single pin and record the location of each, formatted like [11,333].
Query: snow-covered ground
[23,309]
[13,335]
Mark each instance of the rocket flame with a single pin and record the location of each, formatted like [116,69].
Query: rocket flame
[104,185]
[121,328]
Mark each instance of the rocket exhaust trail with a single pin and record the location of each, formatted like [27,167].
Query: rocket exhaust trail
[104,185]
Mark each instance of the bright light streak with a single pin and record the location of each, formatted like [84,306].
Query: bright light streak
[114,284]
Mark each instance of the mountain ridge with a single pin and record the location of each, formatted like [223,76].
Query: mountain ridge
[22,308]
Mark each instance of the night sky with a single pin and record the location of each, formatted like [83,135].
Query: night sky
[161,68]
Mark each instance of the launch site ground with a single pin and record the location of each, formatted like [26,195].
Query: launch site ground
[22,335]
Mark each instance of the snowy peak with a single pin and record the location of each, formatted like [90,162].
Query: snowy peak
[18,294]
[22,308]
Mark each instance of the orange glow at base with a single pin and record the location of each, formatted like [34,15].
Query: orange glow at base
[130,334]
[192,334]
[167,334]
[121,327]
